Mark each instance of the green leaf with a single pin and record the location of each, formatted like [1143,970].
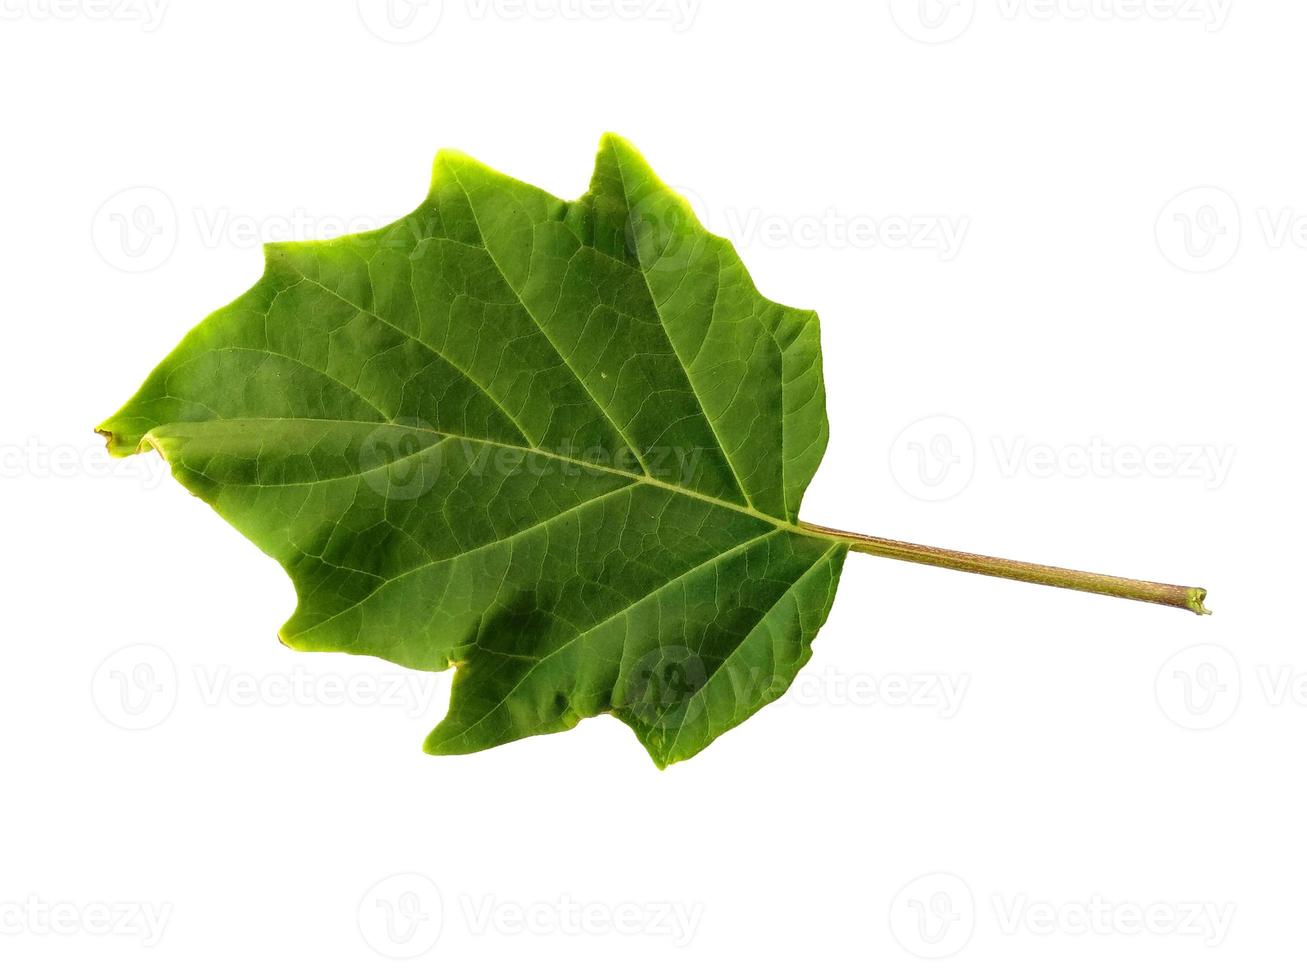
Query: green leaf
[559,445]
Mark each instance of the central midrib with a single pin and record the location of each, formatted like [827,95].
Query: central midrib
[598,467]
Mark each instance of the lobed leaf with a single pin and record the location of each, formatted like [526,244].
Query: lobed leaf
[558,445]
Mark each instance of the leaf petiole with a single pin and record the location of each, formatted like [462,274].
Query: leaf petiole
[1179,596]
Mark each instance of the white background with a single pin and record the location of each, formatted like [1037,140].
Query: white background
[1086,793]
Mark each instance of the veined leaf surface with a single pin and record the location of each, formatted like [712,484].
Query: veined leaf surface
[558,445]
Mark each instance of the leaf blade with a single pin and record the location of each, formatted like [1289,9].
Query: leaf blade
[499,435]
